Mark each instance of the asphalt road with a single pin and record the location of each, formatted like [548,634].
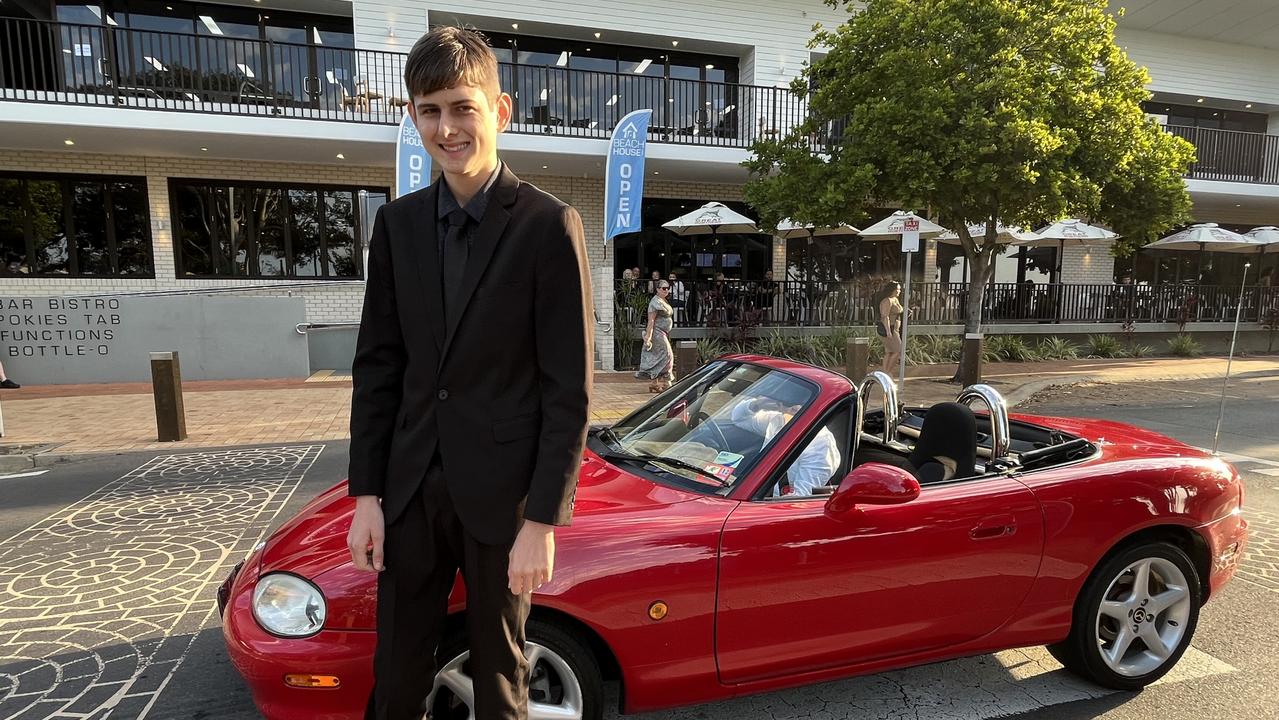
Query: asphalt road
[153,644]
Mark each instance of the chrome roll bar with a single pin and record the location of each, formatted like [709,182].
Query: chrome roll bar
[997,408]
[892,409]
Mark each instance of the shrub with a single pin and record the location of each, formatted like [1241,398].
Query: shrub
[1011,348]
[1183,345]
[1104,346]
[1055,348]
[710,348]
[918,351]
[944,348]
[830,349]
[1140,351]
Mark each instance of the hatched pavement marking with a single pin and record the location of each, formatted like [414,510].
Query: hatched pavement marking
[101,601]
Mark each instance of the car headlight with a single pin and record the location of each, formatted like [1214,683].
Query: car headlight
[288,605]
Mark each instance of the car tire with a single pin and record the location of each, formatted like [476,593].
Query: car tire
[1142,632]
[564,673]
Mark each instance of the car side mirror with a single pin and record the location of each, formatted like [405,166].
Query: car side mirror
[873,484]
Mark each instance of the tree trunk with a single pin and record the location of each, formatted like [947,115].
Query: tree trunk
[970,360]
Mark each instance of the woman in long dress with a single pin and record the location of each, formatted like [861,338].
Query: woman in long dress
[657,362]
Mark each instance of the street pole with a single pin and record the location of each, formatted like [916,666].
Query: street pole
[901,373]
[1221,409]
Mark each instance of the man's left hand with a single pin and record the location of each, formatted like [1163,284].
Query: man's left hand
[532,558]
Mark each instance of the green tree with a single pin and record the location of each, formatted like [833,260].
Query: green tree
[1019,111]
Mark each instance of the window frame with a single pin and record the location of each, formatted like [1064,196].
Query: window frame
[843,404]
[67,182]
[358,230]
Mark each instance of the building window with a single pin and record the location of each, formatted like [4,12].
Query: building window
[183,51]
[592,85]
[259,230]
[78,226]
[1208,117]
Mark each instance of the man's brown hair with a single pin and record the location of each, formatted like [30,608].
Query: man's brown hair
[450,56]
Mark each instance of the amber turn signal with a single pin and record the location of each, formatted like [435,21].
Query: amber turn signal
[657,610]
[312,681]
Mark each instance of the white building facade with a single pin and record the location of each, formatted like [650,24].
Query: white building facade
[169,146]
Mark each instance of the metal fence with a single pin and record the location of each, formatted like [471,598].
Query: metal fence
[1232,155]
[726,304]
[104,65]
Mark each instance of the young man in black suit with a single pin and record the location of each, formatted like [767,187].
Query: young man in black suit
[471,391]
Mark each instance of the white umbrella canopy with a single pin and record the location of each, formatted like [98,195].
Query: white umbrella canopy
[1070,232]
[1004,234]
[712,218]
[1267,235]
[892,227]
[1206,236]
[788,229]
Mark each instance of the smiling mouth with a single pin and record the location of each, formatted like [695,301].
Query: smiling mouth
[455,147]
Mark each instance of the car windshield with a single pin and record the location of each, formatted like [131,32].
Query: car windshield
[707,431]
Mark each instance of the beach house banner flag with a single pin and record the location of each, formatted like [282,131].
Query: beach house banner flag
[624,174]
[412,164]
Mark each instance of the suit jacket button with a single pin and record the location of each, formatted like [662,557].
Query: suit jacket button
[443,395]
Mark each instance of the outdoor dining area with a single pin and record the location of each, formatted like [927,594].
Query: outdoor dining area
[806,302]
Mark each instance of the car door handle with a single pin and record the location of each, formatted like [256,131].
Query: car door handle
[994,527]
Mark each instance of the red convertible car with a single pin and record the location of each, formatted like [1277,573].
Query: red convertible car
[756,527]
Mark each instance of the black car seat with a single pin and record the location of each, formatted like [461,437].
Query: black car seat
[950,431]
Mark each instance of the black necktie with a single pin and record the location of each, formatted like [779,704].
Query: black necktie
[455,251]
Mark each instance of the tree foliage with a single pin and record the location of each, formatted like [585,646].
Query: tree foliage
[1022,111]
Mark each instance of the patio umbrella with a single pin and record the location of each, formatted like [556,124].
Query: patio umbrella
[1072,232]
[1205,236]
[1268,235]
[894,226]
[788,229]
[711,219]
[1004,234]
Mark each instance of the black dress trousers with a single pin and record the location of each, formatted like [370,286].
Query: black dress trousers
[423,550]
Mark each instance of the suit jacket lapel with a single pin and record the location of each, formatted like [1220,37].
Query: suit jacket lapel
[483,244]
[428,265]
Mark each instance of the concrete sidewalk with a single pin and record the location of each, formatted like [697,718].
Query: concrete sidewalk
[75,419]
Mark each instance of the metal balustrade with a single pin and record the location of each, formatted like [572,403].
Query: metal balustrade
[74,64]
[732,303]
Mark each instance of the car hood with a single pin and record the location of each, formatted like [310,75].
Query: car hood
[314,540]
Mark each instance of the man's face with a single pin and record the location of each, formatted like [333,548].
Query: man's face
[459,128]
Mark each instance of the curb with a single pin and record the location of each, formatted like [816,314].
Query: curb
[16,463]
[1021,394]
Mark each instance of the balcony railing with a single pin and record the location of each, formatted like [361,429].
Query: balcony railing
[104,65]
[51,62]
[727,304]
[1232,155]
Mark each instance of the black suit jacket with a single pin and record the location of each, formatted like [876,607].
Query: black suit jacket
[500,388]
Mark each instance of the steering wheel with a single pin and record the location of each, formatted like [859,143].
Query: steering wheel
[703,418]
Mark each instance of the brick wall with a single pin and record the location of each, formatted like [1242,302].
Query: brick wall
[1092,265]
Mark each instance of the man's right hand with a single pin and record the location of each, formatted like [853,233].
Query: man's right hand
[367,531]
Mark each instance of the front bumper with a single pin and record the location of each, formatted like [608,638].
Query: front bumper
[1227,539]
[263,660]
